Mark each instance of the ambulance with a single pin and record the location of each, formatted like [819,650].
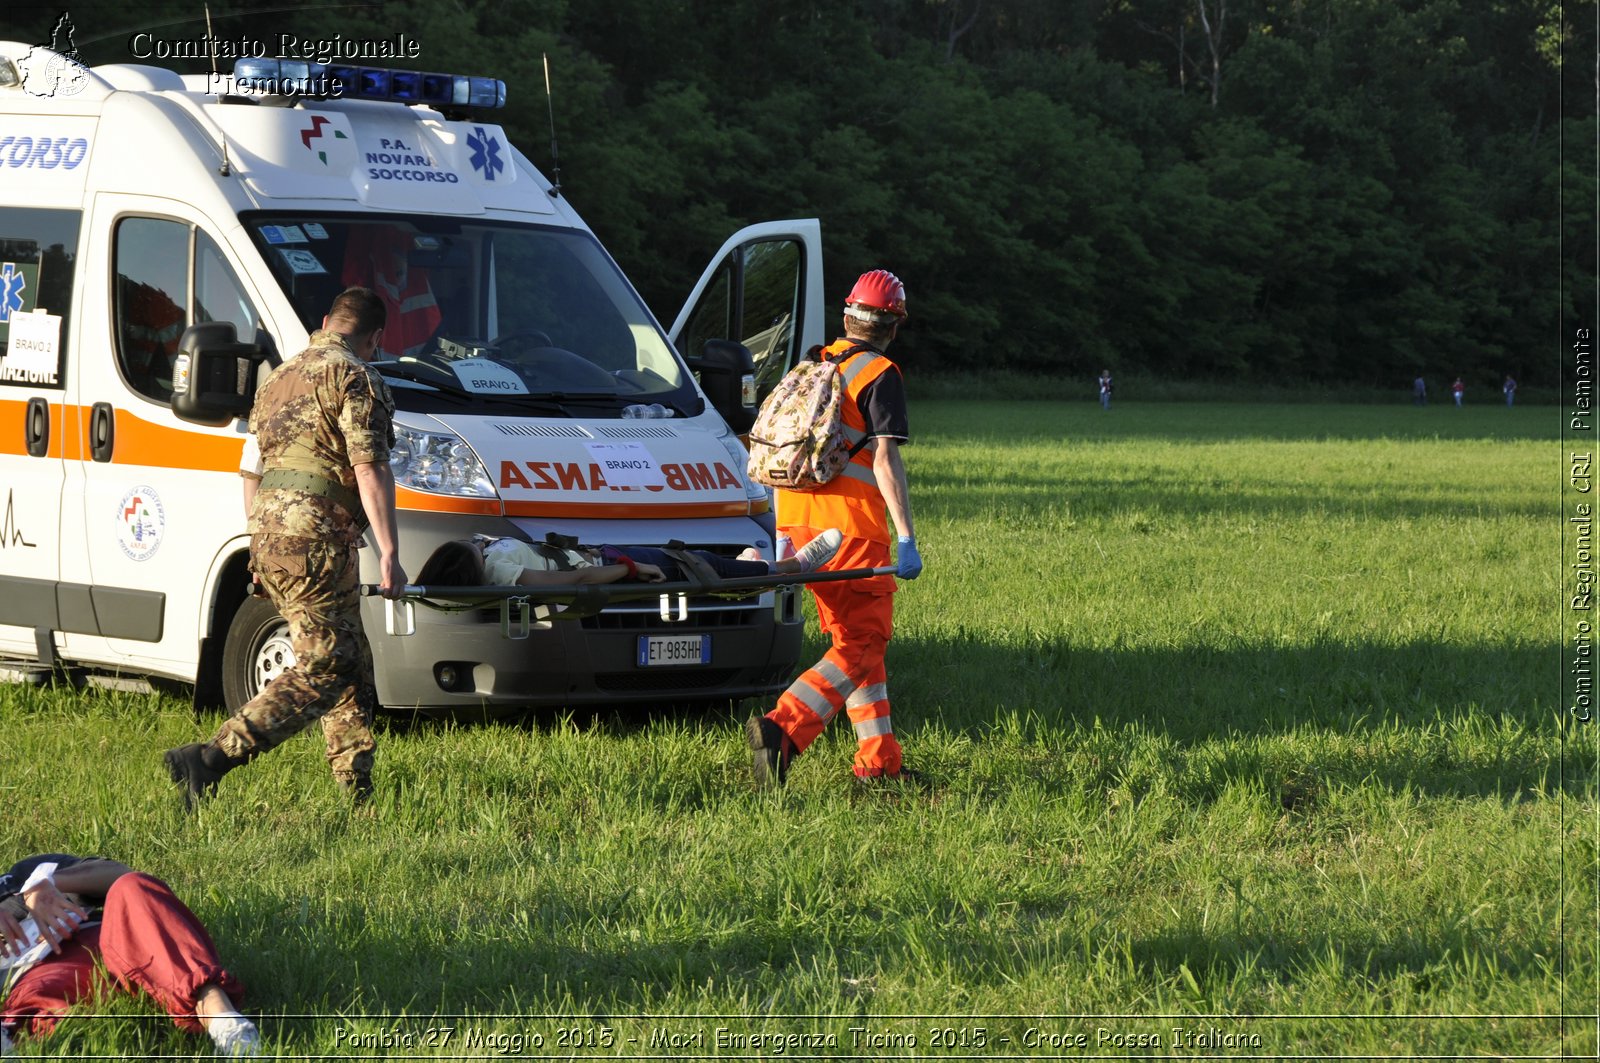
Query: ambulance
[166,239]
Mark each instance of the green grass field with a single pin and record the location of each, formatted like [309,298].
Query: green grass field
[1243,733]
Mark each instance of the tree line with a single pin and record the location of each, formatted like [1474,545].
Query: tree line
[1293,191]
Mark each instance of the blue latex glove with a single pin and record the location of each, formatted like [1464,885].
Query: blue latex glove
[908,563]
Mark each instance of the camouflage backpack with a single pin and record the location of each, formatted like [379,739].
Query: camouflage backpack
[799,441]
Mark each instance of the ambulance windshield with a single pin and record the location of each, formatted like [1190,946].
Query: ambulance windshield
[483,311]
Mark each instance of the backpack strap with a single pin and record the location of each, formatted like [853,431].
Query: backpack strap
[848,357]
[817,353]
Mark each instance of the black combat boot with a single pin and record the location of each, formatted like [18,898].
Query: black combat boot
[198,768]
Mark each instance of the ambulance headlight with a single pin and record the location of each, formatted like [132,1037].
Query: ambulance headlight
[741,460]
[437,462]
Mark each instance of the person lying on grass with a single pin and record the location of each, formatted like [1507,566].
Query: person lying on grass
[506,562]
[72,927]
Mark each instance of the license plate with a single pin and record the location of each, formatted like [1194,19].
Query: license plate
[657,650]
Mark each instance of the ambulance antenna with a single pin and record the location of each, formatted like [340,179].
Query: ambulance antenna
[216,79]
[555,158]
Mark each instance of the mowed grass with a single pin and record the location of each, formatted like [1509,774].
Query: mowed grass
[1242,733]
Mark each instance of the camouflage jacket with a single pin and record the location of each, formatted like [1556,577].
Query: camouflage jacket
[321,412]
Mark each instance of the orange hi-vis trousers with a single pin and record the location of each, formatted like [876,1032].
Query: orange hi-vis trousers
[859,616]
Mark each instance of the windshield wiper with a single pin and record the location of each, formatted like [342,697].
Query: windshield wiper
[585,397]
[404,372]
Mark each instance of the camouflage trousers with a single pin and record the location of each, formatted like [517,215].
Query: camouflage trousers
[314,584]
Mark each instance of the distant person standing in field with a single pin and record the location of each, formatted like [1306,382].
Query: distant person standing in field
[325,422]
[1105,389]
[861,502]
[1458,389]
[1510,389]
[1419,392]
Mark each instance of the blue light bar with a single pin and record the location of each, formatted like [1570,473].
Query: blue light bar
[296,77]
[478,92]
[371,83]
[282,77]
[443,91]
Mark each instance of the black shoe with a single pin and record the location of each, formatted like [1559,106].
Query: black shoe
[771,751]
[192,770]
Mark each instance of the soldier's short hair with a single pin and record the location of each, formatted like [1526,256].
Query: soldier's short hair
[457,563]
[357,312]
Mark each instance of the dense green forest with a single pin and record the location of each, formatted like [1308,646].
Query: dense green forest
[1290,191]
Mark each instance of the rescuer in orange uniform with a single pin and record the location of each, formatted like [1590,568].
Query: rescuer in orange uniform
[857,614]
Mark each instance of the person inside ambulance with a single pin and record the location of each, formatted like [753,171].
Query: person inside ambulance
[151,325]
[378,257]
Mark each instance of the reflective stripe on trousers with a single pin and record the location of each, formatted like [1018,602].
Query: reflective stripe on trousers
[850,675]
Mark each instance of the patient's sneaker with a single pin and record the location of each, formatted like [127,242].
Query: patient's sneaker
[234,1035]
[750,553]
[819,551]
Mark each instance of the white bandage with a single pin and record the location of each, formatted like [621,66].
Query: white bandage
[43,873]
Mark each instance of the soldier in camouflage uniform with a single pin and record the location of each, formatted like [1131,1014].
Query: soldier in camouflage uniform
[324,423]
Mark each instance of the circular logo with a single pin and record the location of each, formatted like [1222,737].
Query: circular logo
[140,523]
[64,76]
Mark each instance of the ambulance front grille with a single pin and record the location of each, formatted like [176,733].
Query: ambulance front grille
[569,431]
[643,621]
[637,431]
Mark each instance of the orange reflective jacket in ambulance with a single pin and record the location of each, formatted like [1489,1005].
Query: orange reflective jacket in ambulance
[378,257]
[858,615]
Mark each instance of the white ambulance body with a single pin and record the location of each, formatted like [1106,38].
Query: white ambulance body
[535,392]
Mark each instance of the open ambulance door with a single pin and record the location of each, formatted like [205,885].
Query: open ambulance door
[764,290]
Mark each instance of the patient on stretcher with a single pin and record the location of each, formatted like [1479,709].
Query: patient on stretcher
[506,562]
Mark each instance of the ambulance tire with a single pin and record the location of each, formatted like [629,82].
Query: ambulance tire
[256,651]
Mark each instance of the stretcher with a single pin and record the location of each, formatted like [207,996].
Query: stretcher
[523,608]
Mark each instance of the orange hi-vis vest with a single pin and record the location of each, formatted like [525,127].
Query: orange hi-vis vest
[850,501]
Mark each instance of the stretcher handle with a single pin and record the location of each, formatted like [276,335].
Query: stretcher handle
[626,591]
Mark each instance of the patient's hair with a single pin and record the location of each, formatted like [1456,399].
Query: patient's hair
[455,564]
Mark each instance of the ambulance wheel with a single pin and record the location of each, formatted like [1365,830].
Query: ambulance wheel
[256,653]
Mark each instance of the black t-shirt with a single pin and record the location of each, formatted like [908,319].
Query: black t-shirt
[883,405]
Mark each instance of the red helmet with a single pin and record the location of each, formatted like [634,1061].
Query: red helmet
[878,290]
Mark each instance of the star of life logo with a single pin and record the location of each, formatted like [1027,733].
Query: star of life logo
[314,132]
[12,282]
[485,157]
[54,69]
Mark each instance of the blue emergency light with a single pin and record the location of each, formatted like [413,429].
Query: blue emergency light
[297,77]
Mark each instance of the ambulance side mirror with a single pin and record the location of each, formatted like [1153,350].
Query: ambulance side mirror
[214,375]
[728,377]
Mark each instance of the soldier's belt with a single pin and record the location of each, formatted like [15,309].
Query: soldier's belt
[311,483]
